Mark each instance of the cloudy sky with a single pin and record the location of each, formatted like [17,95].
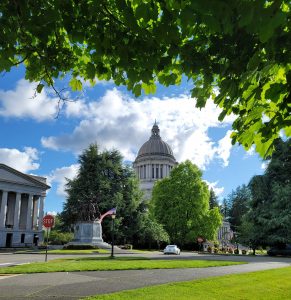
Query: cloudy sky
[38,137]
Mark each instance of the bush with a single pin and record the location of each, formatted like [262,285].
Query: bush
[244,252]
[209,249]
[215,250]
[236,251]
[80,247]
[60,238]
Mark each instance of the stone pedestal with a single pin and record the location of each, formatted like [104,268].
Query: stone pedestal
[87,233]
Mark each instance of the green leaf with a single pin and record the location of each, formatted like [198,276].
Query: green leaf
[76,84]
[137,90]
[149,88]
[287,131]
[39,87]
[90,71]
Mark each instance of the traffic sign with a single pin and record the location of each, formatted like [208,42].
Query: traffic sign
[48,221]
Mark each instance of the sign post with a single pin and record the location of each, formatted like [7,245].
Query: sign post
[48,222]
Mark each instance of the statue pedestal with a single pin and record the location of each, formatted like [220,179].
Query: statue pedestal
[87,233]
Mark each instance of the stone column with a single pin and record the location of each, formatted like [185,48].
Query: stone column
[3,209]
[29,213]
[17,211]
[40,214]
[35,213]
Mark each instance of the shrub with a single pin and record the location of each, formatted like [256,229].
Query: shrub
[60,238]
[215,250]
[236,251]
[244,252]
[209,249]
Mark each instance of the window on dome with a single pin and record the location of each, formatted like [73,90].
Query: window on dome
[153,171]
[157,171]
[161,171]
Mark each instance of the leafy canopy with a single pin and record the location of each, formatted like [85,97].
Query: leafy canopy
[236,52]
[181,205]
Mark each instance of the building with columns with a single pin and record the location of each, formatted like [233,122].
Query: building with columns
[154,161]
[21,207]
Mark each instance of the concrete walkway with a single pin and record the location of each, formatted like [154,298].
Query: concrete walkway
[75,285]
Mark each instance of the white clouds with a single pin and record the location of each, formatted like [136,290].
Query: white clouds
[117,121]
[213,185]
[265,164]
[59,175]
[21,161]
[23,103]
[224,147]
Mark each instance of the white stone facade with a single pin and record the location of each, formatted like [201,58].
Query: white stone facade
[21,208]
[154,161]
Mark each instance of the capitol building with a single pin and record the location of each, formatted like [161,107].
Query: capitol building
[154,161]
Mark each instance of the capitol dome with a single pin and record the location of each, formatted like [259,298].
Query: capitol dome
[154,161]
[155,145]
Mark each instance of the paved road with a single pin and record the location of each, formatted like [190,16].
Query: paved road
[7,259]
[75,285]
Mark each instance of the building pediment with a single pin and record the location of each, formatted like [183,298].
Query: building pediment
[8,174]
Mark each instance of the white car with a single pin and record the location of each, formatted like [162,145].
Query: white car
[172,249]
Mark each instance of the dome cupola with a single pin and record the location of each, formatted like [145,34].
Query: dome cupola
[155,145]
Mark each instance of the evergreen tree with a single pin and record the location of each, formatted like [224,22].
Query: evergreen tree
[239,205]
[101,184]
[269,217]
[213,201]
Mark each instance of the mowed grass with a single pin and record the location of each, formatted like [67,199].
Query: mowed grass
[69,251]
[105,263]
[263,285]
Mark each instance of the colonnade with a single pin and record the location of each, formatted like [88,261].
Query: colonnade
[21,211]
[153,171]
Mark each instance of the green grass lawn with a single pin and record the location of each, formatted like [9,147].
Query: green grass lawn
[69,251]
[66,251]
[263,285]
[105,263]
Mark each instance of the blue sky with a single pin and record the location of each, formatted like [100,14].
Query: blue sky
[34,141]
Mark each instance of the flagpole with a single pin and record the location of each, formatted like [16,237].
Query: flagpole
[112,236]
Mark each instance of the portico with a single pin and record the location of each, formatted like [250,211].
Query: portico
[21,207]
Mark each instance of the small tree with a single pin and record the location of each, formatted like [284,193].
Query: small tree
[181,205]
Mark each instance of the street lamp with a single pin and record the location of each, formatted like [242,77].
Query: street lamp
[112,235]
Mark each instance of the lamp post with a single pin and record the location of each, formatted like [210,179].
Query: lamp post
[112,235]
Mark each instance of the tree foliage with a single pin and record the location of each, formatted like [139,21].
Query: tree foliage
[101,184]
[213,200]
[239,205]
[181,205]
[270,209]
[235,51]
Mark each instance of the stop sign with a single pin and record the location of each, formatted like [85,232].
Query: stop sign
[48,221]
